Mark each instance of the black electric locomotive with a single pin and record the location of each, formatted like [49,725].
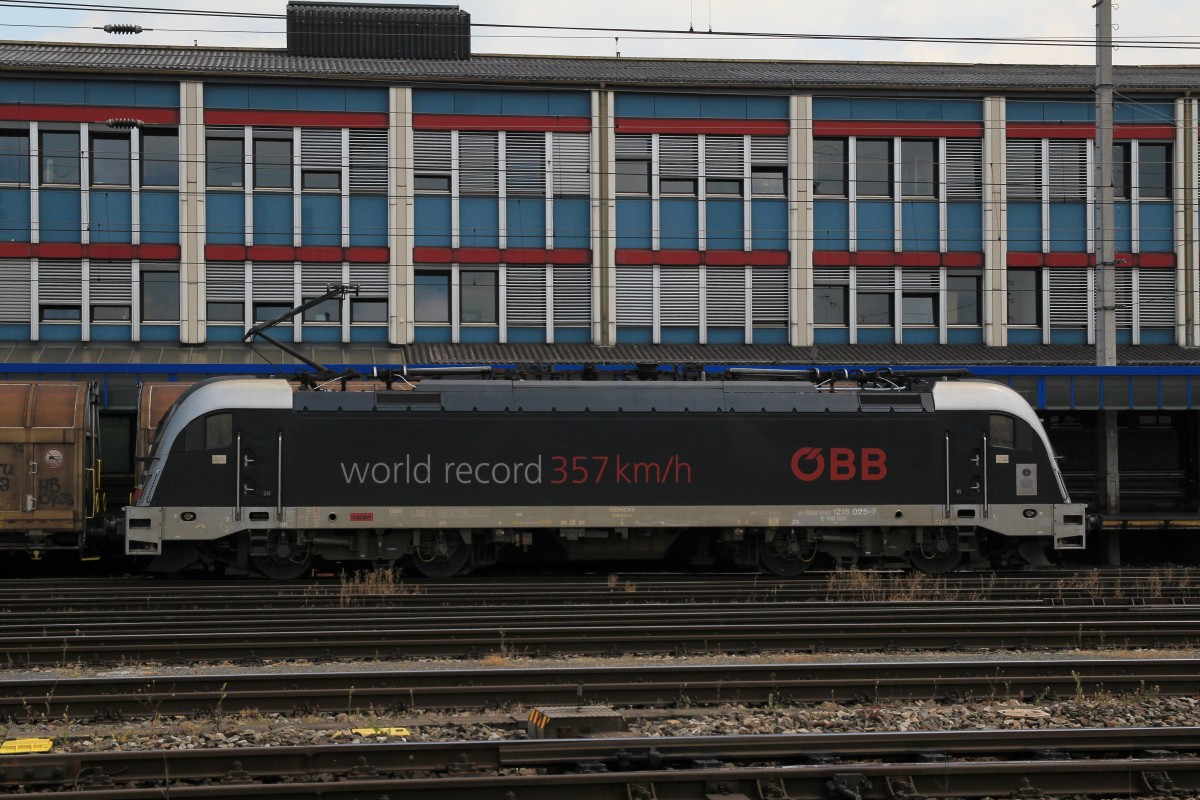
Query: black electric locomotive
[254,474]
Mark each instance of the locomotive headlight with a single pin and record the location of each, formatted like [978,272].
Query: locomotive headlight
[188,516]
[1029,513]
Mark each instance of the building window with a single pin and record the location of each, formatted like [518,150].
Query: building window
[431,297]
[478,296]
[677,185]
[321,179]
[265,312]
[723,186]
[920,309]
[110,314]
[272,163]
[831,305]
[60,314]
[431,183]
[875,308]
[633,176]
[1024,297]
[110,160]
[829,167]
[873,168]
[368,310]
[768,181]
[226,312]
[14,156]
[160,158]
[962,300]
[1154,170]
[918,168]
[160,295]
[224,167]
[1121,172]
[60,157]
[327,311]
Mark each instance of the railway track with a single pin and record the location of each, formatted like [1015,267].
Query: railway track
[1124,762]
[627,687]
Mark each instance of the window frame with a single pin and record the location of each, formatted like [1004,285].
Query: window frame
[621,177]
[952,308]
[888,166]
[144,286]
[266,165]
[821,290]
[889,299]
[18,157]
[99,164]
[838,161]
[47,156]
[217,168]
[147,158]
[1036,294]
[468,292]
[424,298]
[916,186]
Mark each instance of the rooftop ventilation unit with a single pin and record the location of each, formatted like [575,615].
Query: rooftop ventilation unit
[360,30]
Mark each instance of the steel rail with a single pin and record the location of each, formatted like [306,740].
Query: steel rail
[994,762]
[671,686]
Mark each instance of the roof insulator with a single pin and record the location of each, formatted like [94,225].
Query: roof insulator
[124,123]
[122,28]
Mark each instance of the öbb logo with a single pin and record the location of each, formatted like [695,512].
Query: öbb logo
[844,464]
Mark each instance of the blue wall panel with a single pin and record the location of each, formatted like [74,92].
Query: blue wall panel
[14,215]
[160,217]
[477,101]
[1123,235]
[1068,336]
[570,104]
[60,215]
[634,104]
[275,98]
[160,333]
[110,215]
[964,335]
[635,334]
[871,108]
[921,228]
[572,220]
[525,104]
[111,333]
[363,98]
[769,224]
[55,332]
[1068,228]
[435,334]
[320,333]
[767,107]
[320,220]
[831,336]
[224,333]
[526,221]
[526,335]
[876,336]
[70,92]
[1154,113]
[321,98]
[769,336]
[474,101]
[222,95]
[375,333]
[634,222]
[964,226]
[16,90]
[876,225]
[680,223]
[1050,111]
[165,94]
[479,222]
[1157,234]
[481,334]
[831,225]
[679,334]
[919,336]
[226,218]
[1158,336]
[1024,336]
[1025,227]
[431,220]
[725,223]
[726,335]
[433,101]
[273,222]
[684,106]
[572,335]
[368,221]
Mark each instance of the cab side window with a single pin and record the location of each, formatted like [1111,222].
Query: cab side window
[213,432]
[1001,431]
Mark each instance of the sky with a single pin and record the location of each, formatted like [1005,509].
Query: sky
[1172,25]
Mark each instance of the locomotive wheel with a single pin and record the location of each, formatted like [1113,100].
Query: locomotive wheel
[787,556]
[938,555]
[279,567]
[441,554]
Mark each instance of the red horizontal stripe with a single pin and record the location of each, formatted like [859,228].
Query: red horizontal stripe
[307,119]
[725,258]
[1067,259]
[733,126]
[1024,259]
[368,255]
[831,258]
[632,256]
[58,250]
[499,122]
[962,259]
[110,251]
[477,255]
[16,250]
[1155,260]
[768,258]
[875,258]
[678,258]
[571,255]
[159,252]
[224,252]
[433,255]
[874,127]
[919,259]
[319,254]
[272,252]
[524,255]
[1085,130]
[36,113]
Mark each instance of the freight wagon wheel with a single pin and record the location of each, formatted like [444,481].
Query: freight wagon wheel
[787,555]
[441,554]
[936,555]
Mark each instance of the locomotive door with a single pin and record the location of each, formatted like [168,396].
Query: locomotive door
[259,470]
[966,475]
[14,473]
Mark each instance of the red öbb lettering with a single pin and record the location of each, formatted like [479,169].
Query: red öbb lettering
[844,464]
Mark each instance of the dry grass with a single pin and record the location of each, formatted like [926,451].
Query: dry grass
[354,588]
[869,586]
